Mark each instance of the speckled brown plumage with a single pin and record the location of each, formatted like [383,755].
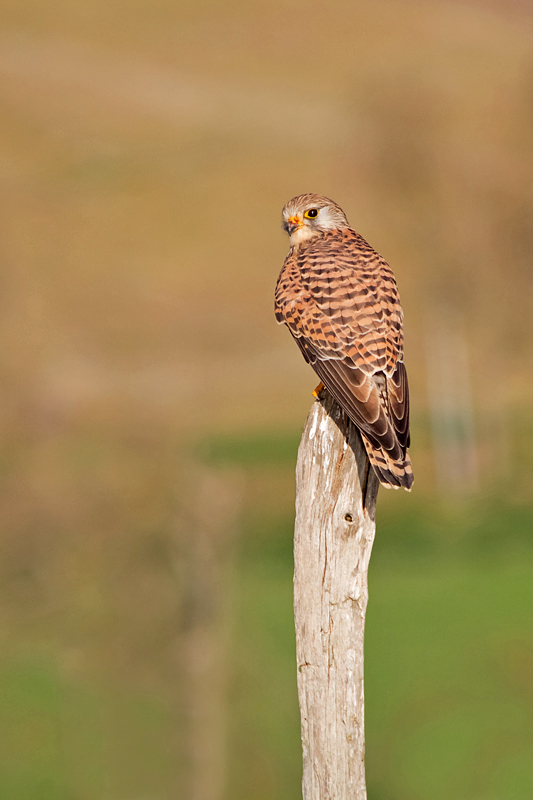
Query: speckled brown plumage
[339,299]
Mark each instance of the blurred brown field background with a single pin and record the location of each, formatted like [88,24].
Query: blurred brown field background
[152,408]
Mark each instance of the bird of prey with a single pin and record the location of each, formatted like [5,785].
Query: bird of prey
[339,299]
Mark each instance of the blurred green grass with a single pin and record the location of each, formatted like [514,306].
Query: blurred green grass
[64,739]
[449,664]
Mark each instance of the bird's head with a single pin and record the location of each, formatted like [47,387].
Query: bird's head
[308,215]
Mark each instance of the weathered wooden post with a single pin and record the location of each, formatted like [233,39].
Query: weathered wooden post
[336,493]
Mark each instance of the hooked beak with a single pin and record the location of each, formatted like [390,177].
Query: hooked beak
[292,224]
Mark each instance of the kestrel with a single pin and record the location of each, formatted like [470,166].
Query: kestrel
[339,299]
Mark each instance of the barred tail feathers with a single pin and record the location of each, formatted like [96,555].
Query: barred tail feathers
[390,472]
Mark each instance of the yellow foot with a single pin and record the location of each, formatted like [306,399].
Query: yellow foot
[318,389]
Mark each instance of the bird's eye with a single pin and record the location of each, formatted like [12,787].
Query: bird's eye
[311,213]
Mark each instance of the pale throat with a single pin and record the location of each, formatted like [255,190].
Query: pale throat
[302,235]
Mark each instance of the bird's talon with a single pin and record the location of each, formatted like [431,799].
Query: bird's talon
[318,389]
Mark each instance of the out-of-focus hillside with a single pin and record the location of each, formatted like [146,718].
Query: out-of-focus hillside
[145,153]
[147,150]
